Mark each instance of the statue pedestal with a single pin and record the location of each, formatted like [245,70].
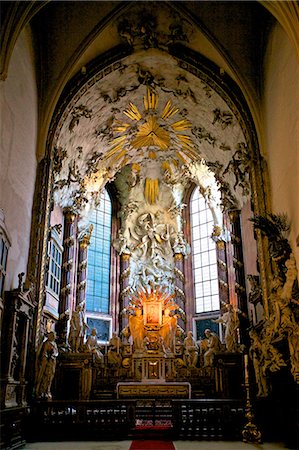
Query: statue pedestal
[74,376]
[229,375]
[153,389]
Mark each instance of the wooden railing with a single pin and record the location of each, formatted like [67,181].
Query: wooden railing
[81,420]
[208,419]
[118,419]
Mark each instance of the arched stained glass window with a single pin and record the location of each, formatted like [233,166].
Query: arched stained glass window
[98,265]
[204,256]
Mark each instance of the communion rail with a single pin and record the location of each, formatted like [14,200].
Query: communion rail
[123,419]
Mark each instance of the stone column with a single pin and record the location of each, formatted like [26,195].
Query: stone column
[179,284]
[84,242]
[67,278]
[239,277]
[124,285]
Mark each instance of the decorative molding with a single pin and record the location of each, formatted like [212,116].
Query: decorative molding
[125,274]
[177,271]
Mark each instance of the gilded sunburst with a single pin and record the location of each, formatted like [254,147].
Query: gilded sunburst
[152,131]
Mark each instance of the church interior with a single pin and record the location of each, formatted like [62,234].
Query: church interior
[149,221]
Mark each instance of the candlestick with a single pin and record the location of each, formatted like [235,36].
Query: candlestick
[250,432]
[238,336]
[246,368]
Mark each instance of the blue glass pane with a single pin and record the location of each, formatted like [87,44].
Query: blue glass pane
[98,275]
[98,263]
[205,274]
[106,275]
[106,260]
[105,289]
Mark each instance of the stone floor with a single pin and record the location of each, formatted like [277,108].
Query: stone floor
[125,445]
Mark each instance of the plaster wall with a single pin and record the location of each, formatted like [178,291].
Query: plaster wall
[17,152]
[281,111]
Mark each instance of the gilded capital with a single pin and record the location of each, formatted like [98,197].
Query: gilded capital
[69,214]
[85,238]
[84,242]
[178,257]
[125,256]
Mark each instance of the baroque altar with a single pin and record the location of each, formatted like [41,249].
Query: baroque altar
[152,330]
[152,357]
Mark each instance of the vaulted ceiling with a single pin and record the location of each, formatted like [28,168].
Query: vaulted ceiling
[153,103]
[152,85]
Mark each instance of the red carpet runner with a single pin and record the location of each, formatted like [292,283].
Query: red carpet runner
[152,445]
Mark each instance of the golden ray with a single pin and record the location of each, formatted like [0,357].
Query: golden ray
[185,138]
[151,101]
[172,112]
[151,190]
[189,149]
[142,141]
[151,124]
[181,157]
[190,155]
[118,140]
[135,109]
[169,111]
[121,127]
[181,125]
[131,115]
[187,152]
[133,112]
[161,139]
[165,165]
[166,109]
[145,103]
[118,156]
[113,151]
[186,141]
[186,147]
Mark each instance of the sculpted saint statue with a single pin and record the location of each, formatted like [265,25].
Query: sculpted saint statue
[210,345]
[91,346]
[47,365]
[191,350]
[77,329]
[168,330]
[137,329]
[114,355]
[231,322]
[256,354]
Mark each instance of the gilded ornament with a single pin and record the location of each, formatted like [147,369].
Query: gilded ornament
[151,130]
[151,190]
